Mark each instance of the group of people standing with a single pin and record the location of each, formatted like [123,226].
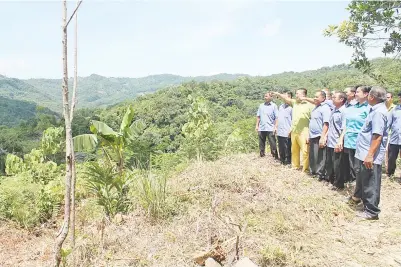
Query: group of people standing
[341,136]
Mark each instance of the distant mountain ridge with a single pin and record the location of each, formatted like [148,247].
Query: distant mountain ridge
[100,91]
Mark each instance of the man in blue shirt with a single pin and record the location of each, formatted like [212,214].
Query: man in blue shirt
[394,145]
[354,118]
[369,155]
[345,164]
[334,157]
[283,131]
[265,122]
[318,127]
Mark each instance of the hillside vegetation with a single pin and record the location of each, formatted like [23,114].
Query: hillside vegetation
[282,218]
[132,162]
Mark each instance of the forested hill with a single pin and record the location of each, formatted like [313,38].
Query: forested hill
[231,105]
[98,91]
[13,112]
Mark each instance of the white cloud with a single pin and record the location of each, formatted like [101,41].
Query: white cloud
[271,29]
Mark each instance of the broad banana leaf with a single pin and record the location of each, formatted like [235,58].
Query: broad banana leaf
[85,142]
[103,130]
[137,128]
[129,114]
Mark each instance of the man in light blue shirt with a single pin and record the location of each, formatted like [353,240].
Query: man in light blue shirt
[283,131]
[394,125]
[265,123]
[369,155]
[354,118]
[345,164]
[318,127]
[335,157]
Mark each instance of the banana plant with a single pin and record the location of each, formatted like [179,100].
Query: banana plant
[106,138]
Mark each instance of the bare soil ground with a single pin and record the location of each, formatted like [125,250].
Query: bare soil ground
[281,217]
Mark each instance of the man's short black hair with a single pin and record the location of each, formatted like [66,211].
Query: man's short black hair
[343,96]
[365,89]
[352,88]
[289,93]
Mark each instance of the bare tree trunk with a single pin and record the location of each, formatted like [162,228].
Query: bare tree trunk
[73,180]
[68,139]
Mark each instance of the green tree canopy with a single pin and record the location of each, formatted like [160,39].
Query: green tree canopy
[370,24]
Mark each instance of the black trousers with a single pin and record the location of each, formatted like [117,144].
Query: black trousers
[317,158]
[284,149]
[272,143]
[334,163]
[349,165]
[368,184]
[393,151]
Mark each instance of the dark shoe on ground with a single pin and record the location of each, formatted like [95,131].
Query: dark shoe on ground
[366,216]
[353,202]
[335,188]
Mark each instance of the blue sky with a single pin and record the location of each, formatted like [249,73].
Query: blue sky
[189,38]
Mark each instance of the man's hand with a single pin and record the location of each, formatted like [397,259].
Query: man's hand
[322,142]
[339,147]
[289,136]
[275,131]
[307,141]
[368,162]
[257,129]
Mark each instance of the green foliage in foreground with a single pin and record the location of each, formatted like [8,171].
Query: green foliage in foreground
[27,203]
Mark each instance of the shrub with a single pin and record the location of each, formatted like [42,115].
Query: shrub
[110,188]
[26,203]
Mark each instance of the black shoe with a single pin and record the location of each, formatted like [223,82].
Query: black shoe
[352,202]
[335,188]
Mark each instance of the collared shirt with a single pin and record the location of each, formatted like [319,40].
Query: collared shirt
[329,102]
[394,125]
[376,123]
[354,118]
[268,115]
[335,124]
[390,108]
[284,120]
[320,115]
[351,103]
[301,114]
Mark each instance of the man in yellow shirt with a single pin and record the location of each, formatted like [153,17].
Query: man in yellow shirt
[301,114]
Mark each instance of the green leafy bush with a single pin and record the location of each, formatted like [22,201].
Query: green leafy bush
[199,131]
[25,202]
[243,138]
[110,188]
